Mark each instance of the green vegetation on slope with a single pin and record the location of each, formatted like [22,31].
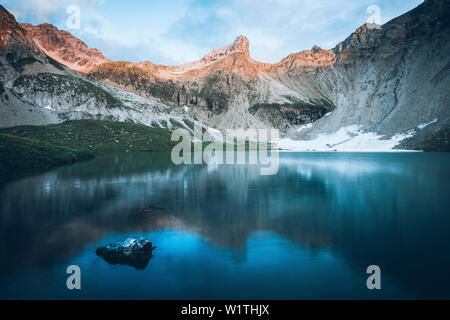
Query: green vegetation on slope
[19,65]
[216,99]
[18,153]
[98,136]
[164,90]
[32,147]
[299,105]
[283,116]
[428,142]
[55,63]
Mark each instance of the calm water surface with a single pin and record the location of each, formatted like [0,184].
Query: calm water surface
[228,232]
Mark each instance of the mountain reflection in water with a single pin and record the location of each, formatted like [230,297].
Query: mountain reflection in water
[346,210]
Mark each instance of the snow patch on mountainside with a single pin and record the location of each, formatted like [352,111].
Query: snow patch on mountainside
[350,138]
[424,125]
[306,126]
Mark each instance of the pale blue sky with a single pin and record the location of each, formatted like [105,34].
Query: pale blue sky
[176,31]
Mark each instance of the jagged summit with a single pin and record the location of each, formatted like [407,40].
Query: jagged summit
[64,47]
[13,38]
[428,20]
[240,45]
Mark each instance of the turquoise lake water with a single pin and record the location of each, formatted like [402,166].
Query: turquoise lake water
[227,232]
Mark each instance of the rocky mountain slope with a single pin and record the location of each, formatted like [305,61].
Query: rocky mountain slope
[383,87]
[37,89]
[383,83]
[228,89]
[391,81]
[65,48]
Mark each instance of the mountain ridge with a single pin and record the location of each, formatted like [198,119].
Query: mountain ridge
[53,40]
[387,80]
[64,47]
[36,89]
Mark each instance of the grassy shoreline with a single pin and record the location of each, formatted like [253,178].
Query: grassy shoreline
[44,147]
[18,154]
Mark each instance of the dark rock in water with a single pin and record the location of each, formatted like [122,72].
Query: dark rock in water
[132,252]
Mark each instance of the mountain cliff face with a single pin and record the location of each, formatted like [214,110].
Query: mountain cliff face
[382,85]
[392,80]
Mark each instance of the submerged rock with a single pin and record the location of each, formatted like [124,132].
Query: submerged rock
[133,252]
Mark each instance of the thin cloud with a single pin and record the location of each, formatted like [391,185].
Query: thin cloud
[44,9]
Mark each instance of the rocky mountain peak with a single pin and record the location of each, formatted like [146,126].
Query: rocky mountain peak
[359,43]
[14,39]
[241,44]
[316,49]
[64,47]
[8,25]
[5,16]
[316,57]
